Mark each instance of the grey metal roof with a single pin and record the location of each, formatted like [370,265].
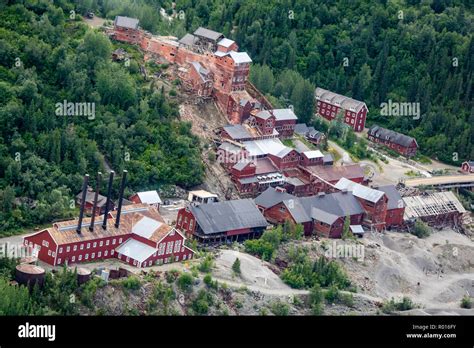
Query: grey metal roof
[226,42]
[284,114]
[249,180]
[126,22]
[101,200]
[271,196]
[226,146]
[301,128]
[357,229]
[339,204]
[149,197]
[323,216]
[280,114]
[188,40]
[237,131]
[283,152]
[328,158]
[263,147]
[207,33]
[146,226]
[228,215]
[359,190]
[241,164]
[313,154]
[394,198]
[294,181]
[136,250]
[339,100]
[392,136]
[240,57]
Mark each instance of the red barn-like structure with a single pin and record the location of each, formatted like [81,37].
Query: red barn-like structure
[329,104]
[401,143]
[142,239]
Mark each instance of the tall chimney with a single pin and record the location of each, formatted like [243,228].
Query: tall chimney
[83,202]
[107,204]
[119,209]
[96,196]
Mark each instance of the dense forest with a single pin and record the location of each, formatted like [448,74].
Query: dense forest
[417,51]
[48,55]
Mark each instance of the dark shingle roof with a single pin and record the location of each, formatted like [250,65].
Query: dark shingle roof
[228,215]
[237,132]
[394,198]
[339,204]
[301,128]
[126,22]
[241,164]
[188,40]
[270,197]
[328,158]
[392,136]
[207,33]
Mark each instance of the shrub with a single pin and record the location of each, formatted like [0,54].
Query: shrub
[185,282]
[206,264]
[421,230]
[280,308]
[316,300]
[466,302]
[209,282]
[236,266]
[332,295]
[89,290]
[131,283]
[172,275]
[404,305]
[202,302]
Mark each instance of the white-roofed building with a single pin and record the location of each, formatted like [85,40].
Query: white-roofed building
[374,202]
[311,158]
[147,197]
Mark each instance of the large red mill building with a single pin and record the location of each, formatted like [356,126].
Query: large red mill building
[208,61]
[135,234]
[329,104]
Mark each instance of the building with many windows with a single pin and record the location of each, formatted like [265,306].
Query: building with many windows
[139,237]
[329,104]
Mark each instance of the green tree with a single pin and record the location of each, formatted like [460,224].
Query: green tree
[236,266]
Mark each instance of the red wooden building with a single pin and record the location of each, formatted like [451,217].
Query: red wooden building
[329,104]
[89,202]
[126,29]
[147,197]
[401,143]
[142,239]
[323,214]
[395,206]
[374,202]
[221,222]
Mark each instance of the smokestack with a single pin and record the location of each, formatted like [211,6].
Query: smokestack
[107,204]
[96,196]
[83,202]
[122,188]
